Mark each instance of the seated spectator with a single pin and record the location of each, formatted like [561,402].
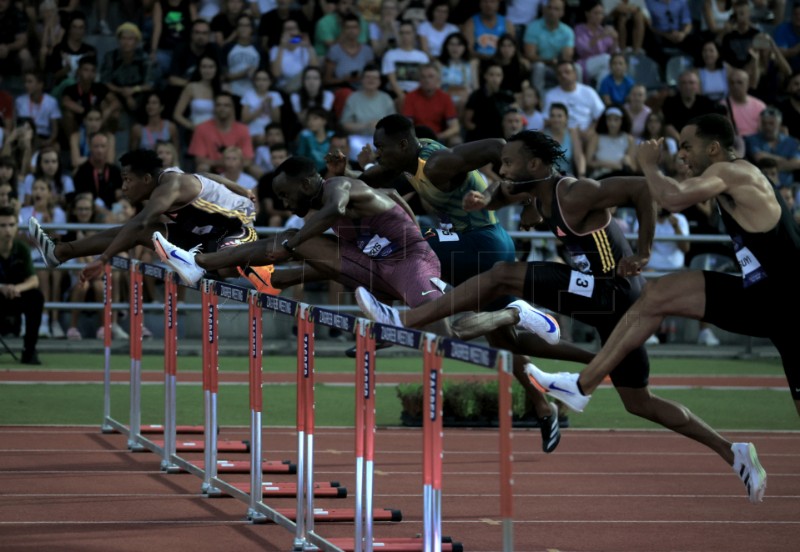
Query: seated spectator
[401,65]
[186,58]
[152,127]
[428,105]
[459,70]
[548,41]
[787,38]
[168,153]
[530,106]
[14,51]
[290,56]
[610,150]
[769,167]
[41,108]
[270,27]
[435,29]
[261,106]
[670,30]
[233,168]
[773,69]
[615,87]
[347,57]
[574,160]
[713,73]
[314,139]
[687,104]
[655,129]
[99,177]
[224,24]
[198,96]
[770,142]
[127,70]
[516,69]
[364,108]
[48,170]
[19,285]
[241,57]
[172,21]
[385,31]
[8,197]
[744,110]
[62,64]
[329,27]
[9,176]
[44,209]
[262,162]
[311,93]
[630,18]
[271,210]
[22,143]
[212,137]
[484,29]
[736,46]
[79,139]
[485,107]
[585,105]
[77,99]
[48,31]
[637,109]
[790,107]
[716,19]
[594,43]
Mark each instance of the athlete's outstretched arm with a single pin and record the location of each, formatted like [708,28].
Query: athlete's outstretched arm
[231,185]
[444,165]
[335,197]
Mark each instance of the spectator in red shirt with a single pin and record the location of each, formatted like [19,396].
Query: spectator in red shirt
[212,137]
[432,107]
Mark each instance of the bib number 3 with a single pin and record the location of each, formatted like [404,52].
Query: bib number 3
[581,284]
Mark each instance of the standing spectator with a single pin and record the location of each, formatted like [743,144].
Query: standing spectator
[242,58]
[585,105]
[530,106]
[212,137]
[630,18]
[127,71]
[790,107]
[198,96]
[615,87]
[459,70]
[744,110]
[594,43]
[485,107]
[261,106]
[485,28]
[610,150]
[435,29]
[223,26]
[547,42]
[44,209]
[233,168]
[787,38]
[401,65]
[770,142]
[348,56]
[516,69]
[19,285]
[48,170]
[429,106]
[288,58]
[270,27]
[328,28]
[77,99]
[637,109]
[41,108]
[14,52]
[574,161]
[153,127]
[687,104]
[79,139]
[99,177]
[385,32]
[670,29]
[172,21]
[713,73]
[364,108]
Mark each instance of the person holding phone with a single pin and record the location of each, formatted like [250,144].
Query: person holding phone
[288,58]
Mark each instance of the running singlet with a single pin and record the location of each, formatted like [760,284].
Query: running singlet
[447,204]
[775,253]
[216,209]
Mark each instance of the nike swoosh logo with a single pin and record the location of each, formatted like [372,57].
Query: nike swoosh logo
[174,254]
[555,387]
[429,291]
[551,326]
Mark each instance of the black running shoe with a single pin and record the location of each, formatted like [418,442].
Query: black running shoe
[551,434]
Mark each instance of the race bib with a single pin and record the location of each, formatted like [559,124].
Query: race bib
[378,246]
[446,233]
[752,271]
[581,284]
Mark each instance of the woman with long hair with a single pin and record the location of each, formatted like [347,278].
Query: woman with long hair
[199,94]
[153,127]
[610,150]
[261,106]
[516,69]
[311,94]
[459,70]
[713,72]
[573,162]
[48,170]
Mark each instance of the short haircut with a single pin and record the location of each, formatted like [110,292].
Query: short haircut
[8,212]
[767,163]
[296,167]
[142,162]
[87,60]
[539,145]
[713,126]
[395,125]
[561,106]
[278,147]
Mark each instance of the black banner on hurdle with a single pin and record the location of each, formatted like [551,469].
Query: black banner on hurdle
[120,262]
[154,271]
[398,336]
[332,319]
[277,304]
[468,352]
[229,291]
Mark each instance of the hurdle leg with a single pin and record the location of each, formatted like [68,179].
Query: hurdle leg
[256,398]
[136,358]
[107,427]
[505,413]
[308,405]
[210,383]
[170,372]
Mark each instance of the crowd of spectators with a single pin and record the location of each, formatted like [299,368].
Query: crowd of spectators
[236,86]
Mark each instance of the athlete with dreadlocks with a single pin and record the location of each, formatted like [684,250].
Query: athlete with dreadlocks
[597,286]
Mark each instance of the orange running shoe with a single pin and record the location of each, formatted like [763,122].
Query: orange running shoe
[261,278]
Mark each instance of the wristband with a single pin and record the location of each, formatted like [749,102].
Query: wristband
[285,245]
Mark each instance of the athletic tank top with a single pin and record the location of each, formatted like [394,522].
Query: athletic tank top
[447,205]
[771,254]
[596,252]
[216,209]
[382,235]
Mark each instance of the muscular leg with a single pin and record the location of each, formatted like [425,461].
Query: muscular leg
[503,279]
[675,294]
[674,416]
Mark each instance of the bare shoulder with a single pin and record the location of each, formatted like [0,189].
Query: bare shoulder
[736,174]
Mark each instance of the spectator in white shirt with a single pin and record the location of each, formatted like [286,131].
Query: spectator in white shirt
[41,108]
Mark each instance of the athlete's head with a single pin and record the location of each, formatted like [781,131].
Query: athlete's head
[297,184]
[140,170]
[396,142]
[705,140]
[529,154]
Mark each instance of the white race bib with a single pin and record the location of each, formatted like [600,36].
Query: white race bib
[446,233]
[375,246]
[581,284]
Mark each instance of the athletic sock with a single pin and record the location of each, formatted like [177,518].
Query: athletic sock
[580,389]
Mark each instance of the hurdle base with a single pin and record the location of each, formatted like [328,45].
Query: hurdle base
[211,491]
[107,429]
[169,467]
[135,446]
[397,544]
[256,517]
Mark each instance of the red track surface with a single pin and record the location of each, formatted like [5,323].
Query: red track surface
[75,489]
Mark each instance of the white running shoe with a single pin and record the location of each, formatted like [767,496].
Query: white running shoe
[749,470]
[56,330]
[535,321]
[706,337]
[180,260]
[45,245]
[375,310]
[561,385]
